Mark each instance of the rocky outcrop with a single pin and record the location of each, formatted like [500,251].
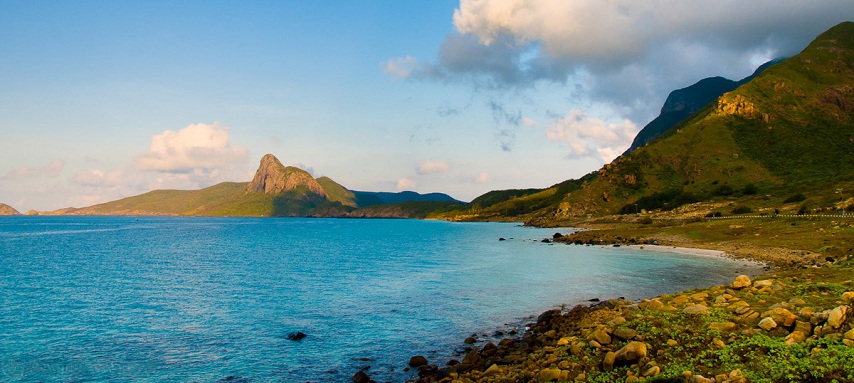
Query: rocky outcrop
[8,210]
[272,178]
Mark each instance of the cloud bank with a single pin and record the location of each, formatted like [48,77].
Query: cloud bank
[585,136]
[196,148]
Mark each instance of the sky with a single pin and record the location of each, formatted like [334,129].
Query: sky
[101,100]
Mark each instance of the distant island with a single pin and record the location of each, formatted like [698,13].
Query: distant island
[276,190]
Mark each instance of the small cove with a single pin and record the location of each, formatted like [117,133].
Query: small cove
[202,299]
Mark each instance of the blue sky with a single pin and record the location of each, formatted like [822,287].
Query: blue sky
[101,100]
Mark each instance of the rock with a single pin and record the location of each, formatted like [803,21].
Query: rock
[608,362]
[837,316]
[848,297]
[795,337]
[782,316]
[601,336]
[361,377]
[722,326]
[470,340]
[741,282]
[849,334]
[701,379]
[804,327]
[548,375]
[625,333]
[699,297]
[652,371]
[296,336]
[680,300]
[696,310]
[767,324]
[417,361]
[797,301]
[654,304]
[632,352]
[672,343]
[492,370]
[763,283]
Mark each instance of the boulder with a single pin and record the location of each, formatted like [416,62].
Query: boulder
[741,282]
[767,324]
[632,352]
[654,304]
[601,335]
[492,370]
[782,316]
[417,361]
[837,316]
[625,333]
[652,371]
[296,336]
[696,310]
[795,337]
[548,375]
[608,362]
[722,326]
[361,377]
[848,297]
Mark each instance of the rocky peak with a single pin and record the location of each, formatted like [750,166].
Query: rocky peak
[272,177]
[8,210]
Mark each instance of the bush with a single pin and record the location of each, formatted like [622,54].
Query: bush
[666,200]
[803,210]
[723,190]
[741,210]
[750,189]
[714,214]
[800,197]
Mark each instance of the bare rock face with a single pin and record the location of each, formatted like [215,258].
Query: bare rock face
[8,210]
[272,177]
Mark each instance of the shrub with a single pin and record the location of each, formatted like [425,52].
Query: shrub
[800,197]
[666,200]
[723,190]
[714,214]
[750,189]
[741,210]
[803,210]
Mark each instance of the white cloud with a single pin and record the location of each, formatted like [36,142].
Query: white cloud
[405,184]
[196,148]
[402,66]
[482,178]
[627,54]
[585,136]
[52,170]
[432,167]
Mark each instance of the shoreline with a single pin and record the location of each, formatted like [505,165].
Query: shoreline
[528,324]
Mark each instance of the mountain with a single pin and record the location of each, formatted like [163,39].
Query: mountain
[8,210]
[682,103]
[275,190]
[784,139]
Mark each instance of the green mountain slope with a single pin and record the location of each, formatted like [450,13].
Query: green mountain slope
[275,191]
[789,130]
[682,103]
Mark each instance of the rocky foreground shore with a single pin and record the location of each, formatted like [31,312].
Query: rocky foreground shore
[794,326]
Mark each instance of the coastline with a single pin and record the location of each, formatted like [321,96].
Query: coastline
[590,341]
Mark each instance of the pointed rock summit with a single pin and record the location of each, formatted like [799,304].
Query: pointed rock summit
[272,177]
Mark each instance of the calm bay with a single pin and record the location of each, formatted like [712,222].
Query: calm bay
[153,299]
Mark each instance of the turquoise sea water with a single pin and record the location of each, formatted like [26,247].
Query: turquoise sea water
[103,299]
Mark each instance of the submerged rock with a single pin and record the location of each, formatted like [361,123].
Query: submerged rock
[296,336]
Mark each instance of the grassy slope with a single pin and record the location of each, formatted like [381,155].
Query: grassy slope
[789,130]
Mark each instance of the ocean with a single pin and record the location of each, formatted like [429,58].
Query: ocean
[161,299]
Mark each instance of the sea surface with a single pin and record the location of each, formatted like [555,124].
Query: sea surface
[106,299]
